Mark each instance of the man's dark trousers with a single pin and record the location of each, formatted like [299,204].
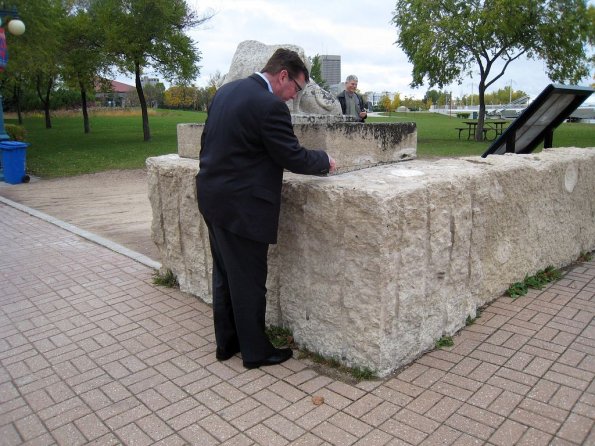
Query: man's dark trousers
[239,282]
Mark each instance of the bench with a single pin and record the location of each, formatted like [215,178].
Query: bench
[485,133]
[460,129]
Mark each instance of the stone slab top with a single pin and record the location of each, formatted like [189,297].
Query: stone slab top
[418,173]
[395,178]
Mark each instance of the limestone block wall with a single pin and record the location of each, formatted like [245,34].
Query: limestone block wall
[374,265]
[354,145]
[177,227]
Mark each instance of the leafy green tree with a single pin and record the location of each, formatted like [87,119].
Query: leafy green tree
[396,101]
[447,39]
[470,99]
[412,103]
[316,72]
[432,96]
[181,96]
[204,97]
[84,58]
[154,94]
[35,57]
[385,103]
[505,95]
[149,33]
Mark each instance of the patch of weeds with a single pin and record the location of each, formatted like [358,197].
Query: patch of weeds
[445,341]
[517,289]
[333,363]
[357,373]
[279,336]
[303,354]
[471,320]
[550,274]
[585,257]
[537,281]
[316,357]
[362,374]
[168,279]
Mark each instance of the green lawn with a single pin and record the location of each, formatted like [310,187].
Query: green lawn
[436,135]
[116,140]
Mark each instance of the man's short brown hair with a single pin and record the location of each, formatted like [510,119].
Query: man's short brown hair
[284,59]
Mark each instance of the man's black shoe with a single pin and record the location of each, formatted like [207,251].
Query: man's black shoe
[224,355]
[280,355]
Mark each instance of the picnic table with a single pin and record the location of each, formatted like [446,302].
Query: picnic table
[492,128]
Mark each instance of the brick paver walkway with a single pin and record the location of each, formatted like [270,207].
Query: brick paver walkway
[91,352]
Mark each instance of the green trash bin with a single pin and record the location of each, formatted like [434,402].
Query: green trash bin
[14,155]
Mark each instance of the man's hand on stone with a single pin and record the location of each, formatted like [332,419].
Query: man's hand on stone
[333,164]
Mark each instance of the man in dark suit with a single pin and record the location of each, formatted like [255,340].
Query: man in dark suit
[247,141]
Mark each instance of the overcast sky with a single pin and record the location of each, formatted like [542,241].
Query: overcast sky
[360,32]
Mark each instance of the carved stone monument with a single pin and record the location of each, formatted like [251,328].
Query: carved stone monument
[375,264]
[251,56]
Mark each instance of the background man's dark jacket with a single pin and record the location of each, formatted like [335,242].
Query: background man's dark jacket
[362,105]
[247,141]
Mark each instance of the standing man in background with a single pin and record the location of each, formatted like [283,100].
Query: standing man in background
[352,104]
[247,141]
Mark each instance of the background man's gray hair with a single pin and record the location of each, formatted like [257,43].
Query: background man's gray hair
[351,77]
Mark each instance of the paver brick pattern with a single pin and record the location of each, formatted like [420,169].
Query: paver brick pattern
[91,352]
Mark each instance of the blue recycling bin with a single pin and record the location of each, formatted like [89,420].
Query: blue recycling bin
[14,155]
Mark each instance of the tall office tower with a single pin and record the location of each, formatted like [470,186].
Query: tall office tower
[330,66]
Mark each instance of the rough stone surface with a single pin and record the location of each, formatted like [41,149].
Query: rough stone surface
[353,145]
[314,100]
[298,118]
[373,266]
[177,227]
[252,56]
[189,139]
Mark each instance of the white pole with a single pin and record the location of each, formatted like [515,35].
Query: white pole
[510,93]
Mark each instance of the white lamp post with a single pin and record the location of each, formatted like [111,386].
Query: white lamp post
[15,27]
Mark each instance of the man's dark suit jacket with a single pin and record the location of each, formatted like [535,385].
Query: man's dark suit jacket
[247,141]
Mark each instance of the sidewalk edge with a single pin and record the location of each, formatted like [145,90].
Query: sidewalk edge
[85,234]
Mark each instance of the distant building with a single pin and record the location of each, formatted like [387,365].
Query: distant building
[146,80]
[113,93]
[374,97]
[330,67]
[336,88]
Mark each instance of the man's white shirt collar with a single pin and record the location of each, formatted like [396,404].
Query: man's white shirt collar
[266,80]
